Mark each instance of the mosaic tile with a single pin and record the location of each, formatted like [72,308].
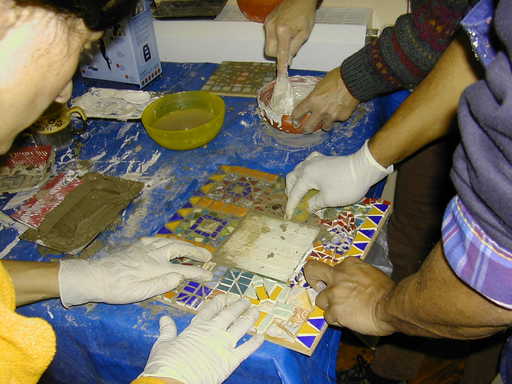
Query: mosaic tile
[283,311]
[201,226]
[324,254]
[307,340]
[192,294]
[235,282]
[308,334]
[263,322]
[316,319]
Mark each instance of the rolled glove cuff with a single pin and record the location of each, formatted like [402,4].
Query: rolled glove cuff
[383,172]
[77,283]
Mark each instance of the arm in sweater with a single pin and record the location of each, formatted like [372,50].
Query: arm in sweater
[405,53]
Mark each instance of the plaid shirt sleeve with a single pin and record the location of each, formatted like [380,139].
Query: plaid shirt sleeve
[474,257]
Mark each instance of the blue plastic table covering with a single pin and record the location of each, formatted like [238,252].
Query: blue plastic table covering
[99,343]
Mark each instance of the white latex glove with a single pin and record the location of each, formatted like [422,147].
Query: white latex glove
[340,180]
[131,274]
[205,352]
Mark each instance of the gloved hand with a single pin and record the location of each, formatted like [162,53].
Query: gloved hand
[287,27]
[205,352]
[340,180]
[131,274]
[330,101]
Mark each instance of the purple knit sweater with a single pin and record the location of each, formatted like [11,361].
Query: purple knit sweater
[482,169]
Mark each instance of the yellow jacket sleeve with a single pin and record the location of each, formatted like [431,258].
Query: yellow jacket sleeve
[27,345]
[148,380]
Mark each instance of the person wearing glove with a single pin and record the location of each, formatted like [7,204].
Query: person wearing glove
[136,273]
[211,339]
[362,298]
[40,45]
[128,275]
[340,180]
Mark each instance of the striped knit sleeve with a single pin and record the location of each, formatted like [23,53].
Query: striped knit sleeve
[404,54]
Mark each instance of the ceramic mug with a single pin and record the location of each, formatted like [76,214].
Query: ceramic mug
[56,118]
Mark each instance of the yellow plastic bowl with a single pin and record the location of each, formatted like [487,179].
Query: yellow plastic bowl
[185,138]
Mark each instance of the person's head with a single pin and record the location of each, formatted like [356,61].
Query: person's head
[40,45]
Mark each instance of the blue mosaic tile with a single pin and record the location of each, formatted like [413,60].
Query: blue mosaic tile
[223,288]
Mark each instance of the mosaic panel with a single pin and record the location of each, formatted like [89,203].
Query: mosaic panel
[244,79]
[287,314]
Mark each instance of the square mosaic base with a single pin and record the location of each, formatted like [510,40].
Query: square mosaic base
[268,246]
[207,224]
[239,78]
[237,215]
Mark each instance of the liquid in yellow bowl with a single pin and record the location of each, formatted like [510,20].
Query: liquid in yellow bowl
[184,120]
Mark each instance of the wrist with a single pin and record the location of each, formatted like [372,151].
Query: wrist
[379,154]
[77,284]
[383,168]
[383,317]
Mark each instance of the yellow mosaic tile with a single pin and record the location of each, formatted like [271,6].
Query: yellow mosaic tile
[353,251]
[249,172]
[170,295]
[217,177]
[317,312]
[307,329]
[194,200]
[173,225]
[235,210]
[203,202]
[206,188]
[261,292]
[184,211]
[276,292]
[368,224]
[260,319]
[361,237]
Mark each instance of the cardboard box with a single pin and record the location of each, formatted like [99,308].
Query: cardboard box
[127,52]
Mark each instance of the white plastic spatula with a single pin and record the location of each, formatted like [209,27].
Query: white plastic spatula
[282,97]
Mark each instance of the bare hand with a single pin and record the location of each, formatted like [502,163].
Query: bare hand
[330,101]
[354,295]
[287,28]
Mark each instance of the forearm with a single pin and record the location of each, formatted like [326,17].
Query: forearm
[435,303]
[33,281]
[429,112]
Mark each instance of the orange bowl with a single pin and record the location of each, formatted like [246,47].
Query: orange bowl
[302,86]
[257,10]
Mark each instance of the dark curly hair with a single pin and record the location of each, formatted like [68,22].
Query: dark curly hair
[97,15]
